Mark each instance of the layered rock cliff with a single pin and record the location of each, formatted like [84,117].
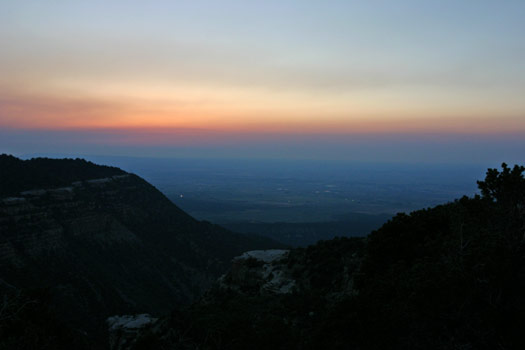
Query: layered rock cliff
[110,245]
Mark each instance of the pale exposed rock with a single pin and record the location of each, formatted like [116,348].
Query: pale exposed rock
[130,322]
[99,181]
[266,256]
[13,200]
[35,193]
[123,330]
[61,189]
[259,272]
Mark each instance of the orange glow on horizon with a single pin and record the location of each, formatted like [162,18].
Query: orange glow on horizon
[39,111]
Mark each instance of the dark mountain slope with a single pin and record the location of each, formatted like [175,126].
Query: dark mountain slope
[449,277]
[107,245]
[18,175]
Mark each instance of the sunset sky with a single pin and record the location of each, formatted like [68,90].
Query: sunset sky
[264,78]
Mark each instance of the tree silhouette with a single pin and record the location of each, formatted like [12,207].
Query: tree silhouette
[506,187]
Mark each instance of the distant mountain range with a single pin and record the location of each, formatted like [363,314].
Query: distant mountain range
[97,241]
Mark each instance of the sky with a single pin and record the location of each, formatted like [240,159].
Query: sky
[382,80]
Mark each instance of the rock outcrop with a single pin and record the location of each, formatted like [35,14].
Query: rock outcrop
[259,272]
[123,330]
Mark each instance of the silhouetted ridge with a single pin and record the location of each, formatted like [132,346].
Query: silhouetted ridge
[18,175]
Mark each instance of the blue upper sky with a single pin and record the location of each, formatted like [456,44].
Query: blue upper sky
[234,68]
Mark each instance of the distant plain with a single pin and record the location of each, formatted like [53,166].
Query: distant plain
[277,198]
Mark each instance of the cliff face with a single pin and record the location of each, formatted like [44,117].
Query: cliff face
[109,246]
[36,222]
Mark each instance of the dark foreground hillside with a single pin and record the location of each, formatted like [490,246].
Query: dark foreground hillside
[450,277]
[81,242]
